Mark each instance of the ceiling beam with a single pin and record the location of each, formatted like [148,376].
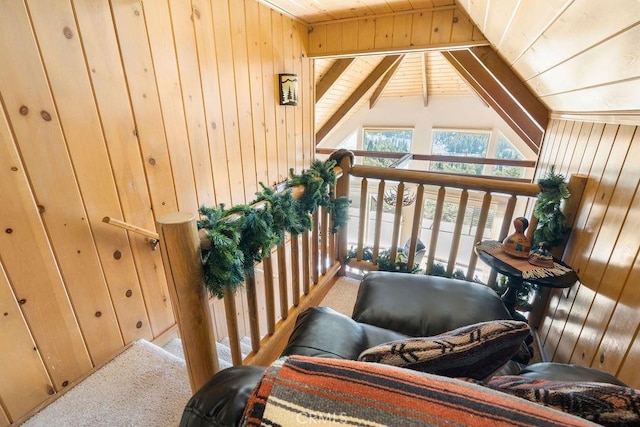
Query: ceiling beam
[494,93]
[331,76]
[425,90]
[512,84]
[353,99]
[383,83]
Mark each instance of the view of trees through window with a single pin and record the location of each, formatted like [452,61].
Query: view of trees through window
[507,151]
[459,143]
[389,140]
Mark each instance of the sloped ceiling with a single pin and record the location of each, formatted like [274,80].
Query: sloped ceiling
[578,57]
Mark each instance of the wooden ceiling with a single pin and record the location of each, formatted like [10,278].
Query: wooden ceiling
[579,58]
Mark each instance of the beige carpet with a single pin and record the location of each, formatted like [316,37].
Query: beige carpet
[143,386]
[342,295]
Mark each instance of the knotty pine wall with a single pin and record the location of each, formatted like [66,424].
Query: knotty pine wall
[129,109]
[595,323]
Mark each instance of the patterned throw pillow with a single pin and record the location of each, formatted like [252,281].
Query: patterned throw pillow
[602,403]
[473,351]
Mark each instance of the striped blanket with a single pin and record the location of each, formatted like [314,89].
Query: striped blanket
[302,390]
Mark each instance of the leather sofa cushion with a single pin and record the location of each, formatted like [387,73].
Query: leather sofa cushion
[420,305]
[323,332]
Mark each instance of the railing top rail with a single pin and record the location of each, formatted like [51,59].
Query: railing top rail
[466,182]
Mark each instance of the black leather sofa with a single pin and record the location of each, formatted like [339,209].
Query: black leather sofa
[389,306]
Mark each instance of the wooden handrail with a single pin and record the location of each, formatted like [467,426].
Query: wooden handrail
[118,223]
[468,182]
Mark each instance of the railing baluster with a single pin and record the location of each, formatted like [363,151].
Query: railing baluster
[232,325]
[306,262]
[295,269]
[396,223]
[324,231]
[269,294]
[415,227]
[315,250]
[378,226]
[282,280]
[482,222]
[435,229]
[363,216]
[457,232]
[252,306]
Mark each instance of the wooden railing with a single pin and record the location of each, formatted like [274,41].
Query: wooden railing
[297,275]
[508,198]
[300,272]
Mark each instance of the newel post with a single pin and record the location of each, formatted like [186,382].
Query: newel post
[344,159]
[180,247]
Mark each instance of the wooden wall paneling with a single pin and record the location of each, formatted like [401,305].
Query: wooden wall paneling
[32,113]
[366,34]
[581,147]
[349,42]
[334,37]
[26,254]
[584,24]
[225,62]
[118,127]
[383,36]
[402,24]
[318,39]
[299,59]
[185,84]
[628,372]
[421,28]
[270,91]
[441,26]
[290,111]
[575,74]
[4,418]
[308,113]
[243,96]
[613,96]
[138,65]
[565,145]
[620,341]
[531,19]
[63,57]
[463,27]
[498,19]
[597,248]
[210,80]
[173,84]
[259,99]
[614,253]
[277,28]
[561,300]
[20,389]
[478,10]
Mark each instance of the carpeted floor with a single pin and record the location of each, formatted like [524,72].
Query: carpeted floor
[143,386]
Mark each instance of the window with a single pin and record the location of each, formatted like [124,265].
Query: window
[459,143]
[506,150]
[388,140]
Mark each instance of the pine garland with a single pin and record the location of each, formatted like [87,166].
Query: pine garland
[242,236]
[551,221]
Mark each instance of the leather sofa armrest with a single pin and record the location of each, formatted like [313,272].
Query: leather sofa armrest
[554,371]
[221,401]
